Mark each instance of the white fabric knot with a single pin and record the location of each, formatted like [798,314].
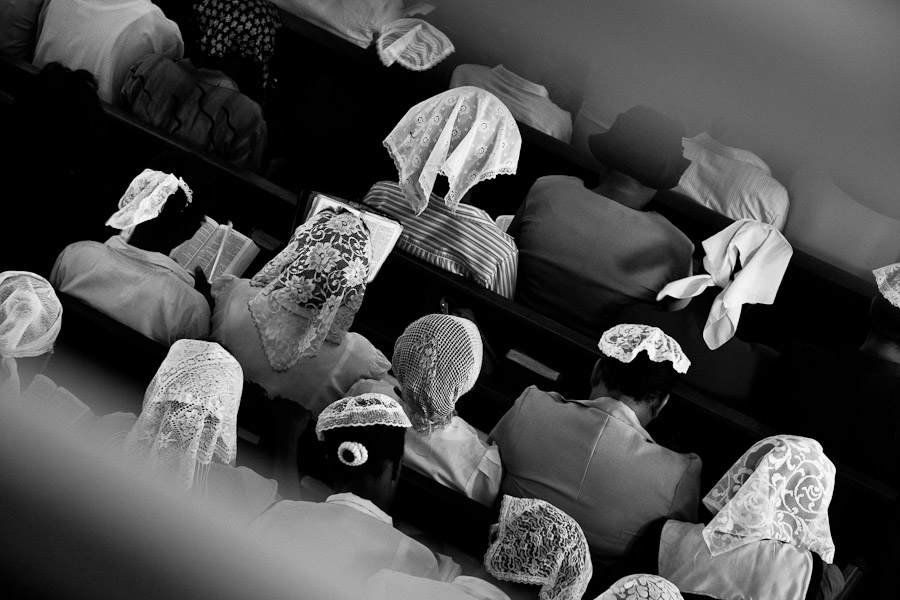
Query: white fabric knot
[763,254]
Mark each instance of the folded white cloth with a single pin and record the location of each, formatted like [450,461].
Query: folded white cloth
[761,253]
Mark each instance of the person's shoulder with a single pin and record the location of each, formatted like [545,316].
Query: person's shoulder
[549,183]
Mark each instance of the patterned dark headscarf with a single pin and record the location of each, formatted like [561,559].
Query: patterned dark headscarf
[231,29]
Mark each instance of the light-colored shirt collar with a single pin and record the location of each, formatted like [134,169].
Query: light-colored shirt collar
[614,408]
[117,243]
[361,504]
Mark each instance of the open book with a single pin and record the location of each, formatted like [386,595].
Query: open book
[237,251]
[383,232]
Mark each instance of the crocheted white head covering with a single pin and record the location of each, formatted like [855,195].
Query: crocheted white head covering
[624,342]
[642,587]
[145,198]
[361,411]
[30,315]
[466,134]
[190,412]
[436,360]
[413,43]
[779,489]
[536,543]
[888,280]
[763,254]
[313,288]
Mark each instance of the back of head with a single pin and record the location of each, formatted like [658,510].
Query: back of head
[437,359]
[641,361]
[884,321]
[363,438]
[645,145]
[30,315]
[61,119]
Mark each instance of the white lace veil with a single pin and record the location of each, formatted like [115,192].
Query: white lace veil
[413,43]
[538,544]
[437,359]
[625,341]
[888,281]
[145,198]
[466,134]
[190,413]
[30,315]
[780,489]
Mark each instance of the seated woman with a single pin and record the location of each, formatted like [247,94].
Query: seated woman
[770,511]
[187,430]
[350,531]
[437,360]
[288,325]
[30,320]
[135,281]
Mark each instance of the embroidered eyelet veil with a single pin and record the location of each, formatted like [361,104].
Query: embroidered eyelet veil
[642,587]
[537,543]
[190,412]
[312,289]
[780,489]
[437,359]
[466,134]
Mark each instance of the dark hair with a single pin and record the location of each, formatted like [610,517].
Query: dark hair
[884,320]
[642,379]
[383,443]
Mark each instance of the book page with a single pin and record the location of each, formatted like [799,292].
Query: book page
[185,254]
[237,255]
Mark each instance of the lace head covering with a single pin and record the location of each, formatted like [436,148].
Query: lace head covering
[30,315]
[190,412]
[361,411]
[145,198]
[466,134]
[313,288]
[761,253]
[645,145]
[436,360]
[239,29]
[536,543]
[624,342]
[413,43]
[642,587]
[888,280]
[779,489]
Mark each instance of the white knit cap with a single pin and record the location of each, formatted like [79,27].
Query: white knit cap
[361,411]
[624,342]
[642,587]
[437,360]
[145,198]
[413,43]
[888,280]
[190,411]
[30,315]
[537,543]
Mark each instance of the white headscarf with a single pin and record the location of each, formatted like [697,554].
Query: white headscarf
[190,412]
[30,315]
[625,341]
[413,43]
[780,489]
[312,289]
[145,198]
[642,587]
[763,254]
[537,543]
[437,360]
[888,280]
[466,134]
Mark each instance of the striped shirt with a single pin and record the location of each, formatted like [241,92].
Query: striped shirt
[467,243]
